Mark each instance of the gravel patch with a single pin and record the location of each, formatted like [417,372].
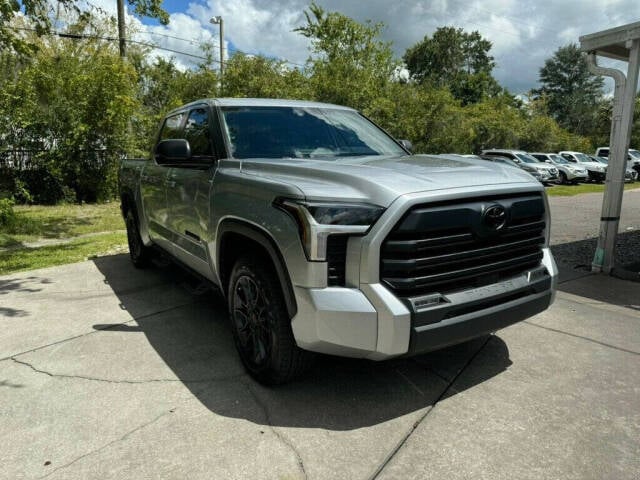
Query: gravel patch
[575,225]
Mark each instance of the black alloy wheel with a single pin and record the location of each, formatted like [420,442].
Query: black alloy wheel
[261,325]
[253,322]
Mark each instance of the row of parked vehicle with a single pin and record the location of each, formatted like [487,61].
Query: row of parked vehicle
[563,167]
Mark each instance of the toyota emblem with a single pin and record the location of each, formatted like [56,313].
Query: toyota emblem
[495,217]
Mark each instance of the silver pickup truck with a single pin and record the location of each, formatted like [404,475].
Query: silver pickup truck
[326,235]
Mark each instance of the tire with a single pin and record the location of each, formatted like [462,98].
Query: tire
[563,178]
[139,253]
[261,325]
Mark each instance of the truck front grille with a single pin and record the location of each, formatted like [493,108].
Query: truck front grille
[450,246]
[336,259]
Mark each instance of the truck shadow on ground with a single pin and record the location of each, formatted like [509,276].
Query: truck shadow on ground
[195,342]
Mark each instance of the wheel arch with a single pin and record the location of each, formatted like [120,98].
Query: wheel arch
[235,237]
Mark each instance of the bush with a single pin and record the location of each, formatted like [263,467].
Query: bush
[42,185]
[7,215]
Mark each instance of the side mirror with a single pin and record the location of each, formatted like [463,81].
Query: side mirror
[407,145]
[173,150]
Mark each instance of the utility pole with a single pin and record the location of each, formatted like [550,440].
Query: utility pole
[218,21]
[121,29]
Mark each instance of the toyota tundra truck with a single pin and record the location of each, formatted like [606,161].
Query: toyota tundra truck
[325,234]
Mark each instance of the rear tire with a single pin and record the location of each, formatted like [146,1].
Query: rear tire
[261,325]
[139,253]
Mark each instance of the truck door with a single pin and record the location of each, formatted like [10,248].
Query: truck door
[188,194]
[153,187]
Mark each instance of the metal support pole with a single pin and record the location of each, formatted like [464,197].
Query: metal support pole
[221,54]
[121,29]
[621,123]
[219,21]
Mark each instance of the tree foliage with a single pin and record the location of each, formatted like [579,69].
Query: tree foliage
[255,76]
[83,107]
[349,64]
[73,103]
[39,14]
[454,59]
[572,94]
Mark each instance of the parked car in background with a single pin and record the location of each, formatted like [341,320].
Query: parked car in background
[568,172]
[633,157]
[630,175]
[521,157]
[541,176]
[597,170]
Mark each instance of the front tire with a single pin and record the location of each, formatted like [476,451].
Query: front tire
[261,325]
[139,253]
[563,178]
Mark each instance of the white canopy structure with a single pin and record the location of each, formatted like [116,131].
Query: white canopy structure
[620,43]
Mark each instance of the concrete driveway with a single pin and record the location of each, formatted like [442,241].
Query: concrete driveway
[110,372]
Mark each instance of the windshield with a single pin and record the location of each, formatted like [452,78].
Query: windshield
[301,132]
[558,159]
[582,157]
[526,158]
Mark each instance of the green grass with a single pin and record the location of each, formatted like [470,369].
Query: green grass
[570,190]
[38,222]
[16,260]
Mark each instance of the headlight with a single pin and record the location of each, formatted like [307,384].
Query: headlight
[317,220]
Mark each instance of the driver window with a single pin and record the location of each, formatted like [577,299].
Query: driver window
[197,133]
[171,127]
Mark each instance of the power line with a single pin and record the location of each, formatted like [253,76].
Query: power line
[189,40]
[84,36]
[231,49]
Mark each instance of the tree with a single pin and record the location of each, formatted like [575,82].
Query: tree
[495,123]
[40,12]
[454,59]
[349,64]
[261,77]
[572,94]
[73,103]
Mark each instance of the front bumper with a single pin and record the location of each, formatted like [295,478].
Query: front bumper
[572,176]
[371,322]
[450,331]
[597,176]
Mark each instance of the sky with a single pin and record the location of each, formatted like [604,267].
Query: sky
[523,33]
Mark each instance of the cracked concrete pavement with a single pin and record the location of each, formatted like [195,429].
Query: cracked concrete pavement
[110,372]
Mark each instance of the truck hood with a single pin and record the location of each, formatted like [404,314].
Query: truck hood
[381,179]
[594,165]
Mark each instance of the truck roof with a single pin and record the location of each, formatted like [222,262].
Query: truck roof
[261,102]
